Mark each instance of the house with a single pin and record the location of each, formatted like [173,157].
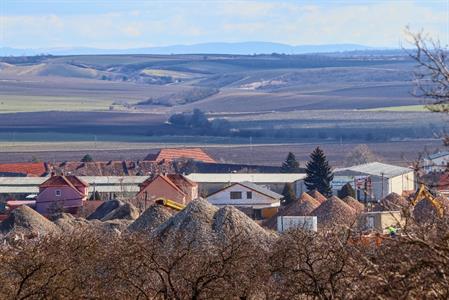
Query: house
[274,181]
[171,154]
[59,192]
[175,187]
[436,162]
[373,181]
[37,169]
[380,220]
[256,201]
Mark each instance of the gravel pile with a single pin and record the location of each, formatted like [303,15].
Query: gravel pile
[317,196]
[27,222]
[425,212]
[126,211]
[206,225]
[230,222]
[67,222]
[104,209]
[334,211]
[151,218]
[355,204]
[392,201]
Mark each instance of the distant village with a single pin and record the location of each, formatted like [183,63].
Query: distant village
[278,198]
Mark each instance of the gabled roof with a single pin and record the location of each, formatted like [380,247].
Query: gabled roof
[171,154]
[254,187]
[377,169]
[28,169]
[147,182]
[61,181]
[438,155]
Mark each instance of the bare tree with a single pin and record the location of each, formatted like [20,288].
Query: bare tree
[361,154]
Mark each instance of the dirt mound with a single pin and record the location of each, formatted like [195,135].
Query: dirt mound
[104,209]
[355,204]
[425,212]
[26,221]
[305,197]
[151,218]
[334,211]
[392,201]
[317,196]
[230,222]
[127,211]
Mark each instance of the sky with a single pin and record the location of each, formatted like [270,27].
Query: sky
[118,24]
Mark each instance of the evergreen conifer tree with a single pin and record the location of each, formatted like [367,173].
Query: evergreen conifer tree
[288,193]
[319,173]
[290,165]
[345,191]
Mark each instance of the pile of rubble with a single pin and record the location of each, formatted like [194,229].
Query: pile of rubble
[425,211]
[151,218]
[391,202]
[355,204]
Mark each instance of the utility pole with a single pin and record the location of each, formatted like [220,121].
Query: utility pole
[382,184]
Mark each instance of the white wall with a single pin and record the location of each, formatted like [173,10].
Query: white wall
[224,197]
[435,165]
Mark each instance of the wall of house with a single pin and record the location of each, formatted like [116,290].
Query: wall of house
[207,188]
[47,199]
[224,197]
[435,165]
[160,188]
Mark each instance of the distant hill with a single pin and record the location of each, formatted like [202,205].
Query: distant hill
[242,48]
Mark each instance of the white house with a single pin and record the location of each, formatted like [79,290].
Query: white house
[375,180]
[436,162]
[254,200]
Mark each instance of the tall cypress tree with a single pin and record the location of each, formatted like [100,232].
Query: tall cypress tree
[319,173]
[290,165]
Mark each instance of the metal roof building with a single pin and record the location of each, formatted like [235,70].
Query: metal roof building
[249,177]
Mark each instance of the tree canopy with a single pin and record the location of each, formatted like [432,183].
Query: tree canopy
[290,165]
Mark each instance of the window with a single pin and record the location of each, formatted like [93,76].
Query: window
[58,193]
[236,195]
[249,195]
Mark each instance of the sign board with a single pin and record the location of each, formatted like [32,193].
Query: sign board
[300,222]
[339,181]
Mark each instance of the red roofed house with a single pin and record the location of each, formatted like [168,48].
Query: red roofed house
[59,192]
[172,186]
[24,169]
[196,154]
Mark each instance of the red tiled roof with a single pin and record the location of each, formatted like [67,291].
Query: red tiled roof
[58,181]
[197,154]
[29,169]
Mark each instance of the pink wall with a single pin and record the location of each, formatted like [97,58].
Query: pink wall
[160,188]
[47,198]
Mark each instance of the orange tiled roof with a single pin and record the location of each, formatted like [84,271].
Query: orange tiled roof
[29,169]
[191,153]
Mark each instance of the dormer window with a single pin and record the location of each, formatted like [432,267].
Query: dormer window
[58,193]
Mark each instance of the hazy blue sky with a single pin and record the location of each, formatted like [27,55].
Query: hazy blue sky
[127,23]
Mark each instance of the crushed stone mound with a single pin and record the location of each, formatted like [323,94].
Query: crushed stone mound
[317,196]
[392,201]
[26,221]
[204,225]
[104,209]
[193,223]
[230,222]
[305,197]
[358,206]
[334,211]
[151,218]
[424,211]
[127,211]
[67,222]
